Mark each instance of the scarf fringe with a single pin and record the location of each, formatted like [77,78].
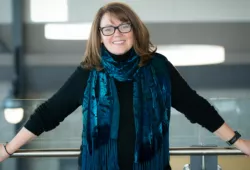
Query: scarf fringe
[159,161]
[156,163]
[105,158]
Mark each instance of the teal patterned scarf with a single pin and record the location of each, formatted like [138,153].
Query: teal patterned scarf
[151,105]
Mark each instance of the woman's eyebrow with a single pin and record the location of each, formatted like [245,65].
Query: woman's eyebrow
[108,25]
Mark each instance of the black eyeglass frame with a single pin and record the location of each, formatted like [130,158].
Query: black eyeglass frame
[115,28]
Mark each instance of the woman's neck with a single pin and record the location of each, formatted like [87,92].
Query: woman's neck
[121,57]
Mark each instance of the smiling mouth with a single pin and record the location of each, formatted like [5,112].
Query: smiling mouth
[118,42]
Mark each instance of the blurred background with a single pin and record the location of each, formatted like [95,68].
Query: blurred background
[43,41]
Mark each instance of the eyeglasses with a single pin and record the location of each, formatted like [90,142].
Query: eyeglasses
[110,30]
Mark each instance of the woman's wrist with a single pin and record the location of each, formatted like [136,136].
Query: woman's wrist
[3,154]
[7,150]
[239,143]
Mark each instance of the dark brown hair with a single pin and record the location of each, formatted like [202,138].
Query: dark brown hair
[142,45]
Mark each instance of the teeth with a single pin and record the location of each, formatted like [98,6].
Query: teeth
[118,42]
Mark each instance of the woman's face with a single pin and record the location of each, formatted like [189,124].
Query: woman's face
[117,43]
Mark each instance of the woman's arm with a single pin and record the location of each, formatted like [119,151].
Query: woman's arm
[226,133]
[22,137]
[49,114]
[53,111]
[188,102]
[65,101]
[199,110]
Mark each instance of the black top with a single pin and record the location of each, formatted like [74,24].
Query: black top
[69,97]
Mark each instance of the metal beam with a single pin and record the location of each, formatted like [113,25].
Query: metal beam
[173,152]
[17,34]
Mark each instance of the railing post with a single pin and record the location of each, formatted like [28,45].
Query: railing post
[196,162]
[204,162]
[211,162]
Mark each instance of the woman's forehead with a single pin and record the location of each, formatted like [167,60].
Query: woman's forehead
[112,19]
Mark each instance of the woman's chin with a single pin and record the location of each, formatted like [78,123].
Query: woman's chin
[119,52]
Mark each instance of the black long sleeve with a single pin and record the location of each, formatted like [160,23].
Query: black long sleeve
[193,106]
[67,99]
[184,99]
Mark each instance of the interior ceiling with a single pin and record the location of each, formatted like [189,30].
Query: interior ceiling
[224,23]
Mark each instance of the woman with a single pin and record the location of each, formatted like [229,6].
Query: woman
[126,90]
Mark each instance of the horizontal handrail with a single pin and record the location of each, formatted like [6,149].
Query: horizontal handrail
[173,151]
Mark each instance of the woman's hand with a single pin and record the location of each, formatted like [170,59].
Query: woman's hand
[226,133]
[244,146]
[3,154]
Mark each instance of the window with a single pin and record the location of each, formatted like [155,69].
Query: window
[49,10]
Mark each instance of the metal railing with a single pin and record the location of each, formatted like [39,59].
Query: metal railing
[173,151]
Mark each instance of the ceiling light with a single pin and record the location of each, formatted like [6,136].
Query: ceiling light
[13,110]
[189,55]
[68,31]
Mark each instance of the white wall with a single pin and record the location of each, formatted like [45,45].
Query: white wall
[148,10]
[169,10]
[163,10]
[6,59]
[5,11]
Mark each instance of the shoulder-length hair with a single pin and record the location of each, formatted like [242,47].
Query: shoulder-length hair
[142,44]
